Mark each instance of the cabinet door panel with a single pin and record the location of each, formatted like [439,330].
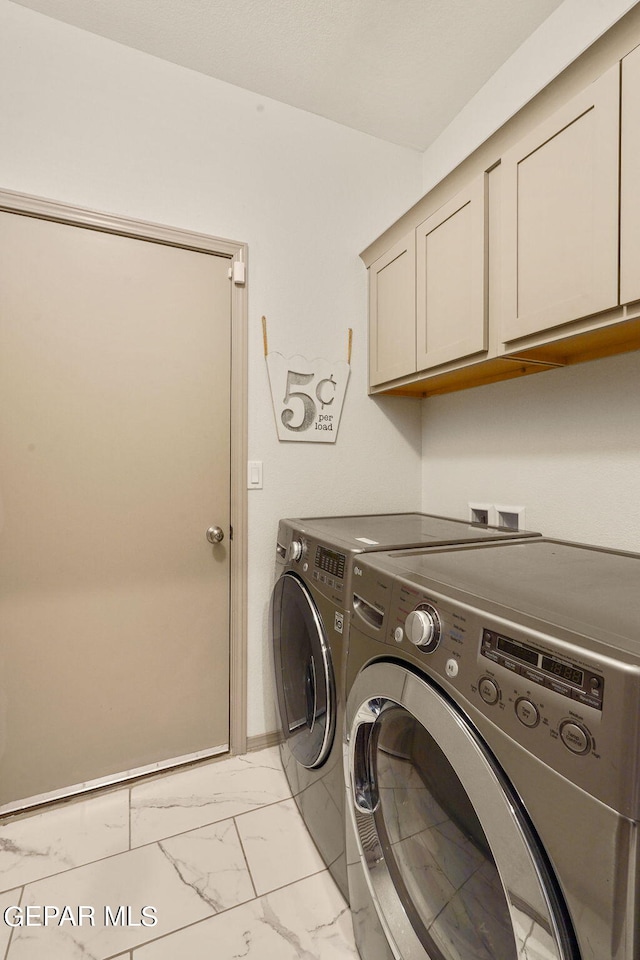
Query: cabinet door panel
[451,279]
[392,313]
[630,180]
[560,209]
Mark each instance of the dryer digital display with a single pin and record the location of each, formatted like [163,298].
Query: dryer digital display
[561,676]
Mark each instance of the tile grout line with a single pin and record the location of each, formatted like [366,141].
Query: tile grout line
[244,854]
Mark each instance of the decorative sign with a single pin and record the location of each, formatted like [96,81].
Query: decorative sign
[307,395]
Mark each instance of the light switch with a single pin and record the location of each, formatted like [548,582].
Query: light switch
[254,475]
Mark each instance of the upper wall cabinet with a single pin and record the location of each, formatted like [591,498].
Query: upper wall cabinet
[451,270]
[630,180]
[392,313]
[560,215]
[527,256]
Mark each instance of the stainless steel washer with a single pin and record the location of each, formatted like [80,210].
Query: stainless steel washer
[310,614]
[492,754]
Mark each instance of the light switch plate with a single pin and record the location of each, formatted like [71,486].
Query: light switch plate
[254,475]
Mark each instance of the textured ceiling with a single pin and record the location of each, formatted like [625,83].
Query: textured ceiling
[396,69]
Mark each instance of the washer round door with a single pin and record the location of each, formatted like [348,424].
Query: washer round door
[452,863]
[304,673]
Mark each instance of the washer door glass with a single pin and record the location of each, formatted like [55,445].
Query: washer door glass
[442,837]
[304,674]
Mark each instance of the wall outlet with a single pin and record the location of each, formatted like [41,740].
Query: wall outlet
[511,518]
[481,513]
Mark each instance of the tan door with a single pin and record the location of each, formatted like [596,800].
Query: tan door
[114,461]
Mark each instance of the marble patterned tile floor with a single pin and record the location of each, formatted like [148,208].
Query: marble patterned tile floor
[210,863]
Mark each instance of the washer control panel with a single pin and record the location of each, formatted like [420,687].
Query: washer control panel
[319,563]
[560,675]
[330,561]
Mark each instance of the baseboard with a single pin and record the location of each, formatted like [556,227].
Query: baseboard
[263,740]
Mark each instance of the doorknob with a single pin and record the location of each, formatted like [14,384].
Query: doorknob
[215,534]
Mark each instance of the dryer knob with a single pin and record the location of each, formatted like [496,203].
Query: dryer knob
[422,628]
[296,549]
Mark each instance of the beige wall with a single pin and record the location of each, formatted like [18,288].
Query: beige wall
[93,123]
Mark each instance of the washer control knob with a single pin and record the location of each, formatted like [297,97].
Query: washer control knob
[489,691]
[575,737]
[422,628]
[296,549]
[527,712]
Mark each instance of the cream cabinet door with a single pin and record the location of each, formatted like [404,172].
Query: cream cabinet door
[560,215]
[630,180]
[392,313]
[451,288]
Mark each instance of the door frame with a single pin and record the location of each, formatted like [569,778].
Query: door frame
[236,252]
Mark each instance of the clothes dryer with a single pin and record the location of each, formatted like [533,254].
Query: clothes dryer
[492,753]
[309,622]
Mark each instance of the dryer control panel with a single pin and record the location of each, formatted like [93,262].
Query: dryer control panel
[561,675]
[563,696]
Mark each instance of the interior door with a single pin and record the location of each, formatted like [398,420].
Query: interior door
[114,461]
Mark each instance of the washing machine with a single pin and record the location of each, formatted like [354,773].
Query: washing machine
[492,753]
[309,622]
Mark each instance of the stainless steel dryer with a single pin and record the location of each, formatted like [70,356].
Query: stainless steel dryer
[309,623]
[492,754]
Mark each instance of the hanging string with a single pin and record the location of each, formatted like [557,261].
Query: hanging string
[265,342]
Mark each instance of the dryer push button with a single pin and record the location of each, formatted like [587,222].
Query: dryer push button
[452,667]
[527,712]
[575,737]
[488,690]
